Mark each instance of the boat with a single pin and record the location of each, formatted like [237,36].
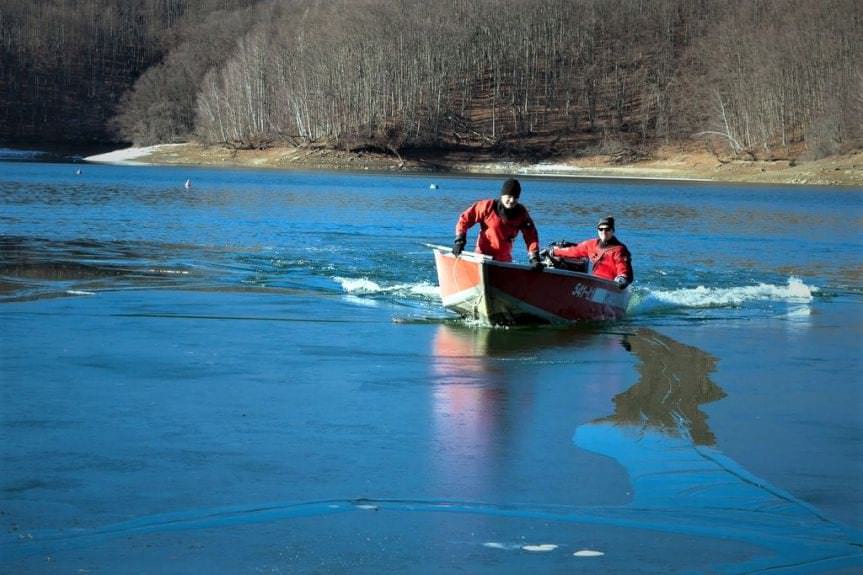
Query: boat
[491,292]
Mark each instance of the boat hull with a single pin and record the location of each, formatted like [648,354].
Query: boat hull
[504,293]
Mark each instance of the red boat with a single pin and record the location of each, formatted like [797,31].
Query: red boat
[505,293]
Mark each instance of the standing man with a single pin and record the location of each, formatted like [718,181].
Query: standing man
[500,221]
[609,258]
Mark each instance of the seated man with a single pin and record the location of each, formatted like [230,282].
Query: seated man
[609,258]
[500,222]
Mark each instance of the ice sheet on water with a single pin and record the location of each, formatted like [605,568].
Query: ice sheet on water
[540,548]
[531,547]
[648,300]
[588,553]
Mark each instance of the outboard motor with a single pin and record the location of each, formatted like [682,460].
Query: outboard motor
[568,264]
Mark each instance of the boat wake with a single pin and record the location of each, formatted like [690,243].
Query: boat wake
[367,287]
[646,300]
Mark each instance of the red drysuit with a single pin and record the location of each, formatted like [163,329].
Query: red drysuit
[609,261]
[498,228]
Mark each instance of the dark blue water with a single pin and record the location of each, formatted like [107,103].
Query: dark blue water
[255,374]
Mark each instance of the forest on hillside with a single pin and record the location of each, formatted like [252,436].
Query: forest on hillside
[756,78]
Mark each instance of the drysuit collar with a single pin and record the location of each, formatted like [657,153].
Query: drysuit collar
[507,214]
[606,244]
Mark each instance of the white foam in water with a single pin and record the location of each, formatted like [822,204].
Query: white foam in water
[645,301]
[361,301]
[365,286]
[361,285]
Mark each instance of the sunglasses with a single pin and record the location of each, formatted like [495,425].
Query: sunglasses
[604,229]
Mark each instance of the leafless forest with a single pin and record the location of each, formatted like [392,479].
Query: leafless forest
[757,78]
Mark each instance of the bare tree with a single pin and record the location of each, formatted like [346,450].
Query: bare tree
[767,78]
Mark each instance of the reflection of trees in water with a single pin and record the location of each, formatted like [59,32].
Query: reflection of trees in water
[674,382]
[682,484]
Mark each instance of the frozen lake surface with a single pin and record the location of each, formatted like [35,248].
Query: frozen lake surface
[254,373]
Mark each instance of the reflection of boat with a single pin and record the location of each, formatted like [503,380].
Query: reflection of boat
[489,343]
[505,293]
[470,411]
[483,399]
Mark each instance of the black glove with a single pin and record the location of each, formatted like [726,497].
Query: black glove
[535,263]
[458,245]
[621,281]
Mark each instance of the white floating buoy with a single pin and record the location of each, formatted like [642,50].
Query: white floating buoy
[188,184]
[433,186]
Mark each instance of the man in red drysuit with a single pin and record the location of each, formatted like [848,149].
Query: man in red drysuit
[500,221]
[608,257]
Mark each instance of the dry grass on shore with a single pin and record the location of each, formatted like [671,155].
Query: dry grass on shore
[667,163]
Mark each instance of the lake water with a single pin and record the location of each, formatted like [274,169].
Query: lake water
[255,374]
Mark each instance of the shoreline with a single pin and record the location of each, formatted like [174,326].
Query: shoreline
[127,156]
[670,164]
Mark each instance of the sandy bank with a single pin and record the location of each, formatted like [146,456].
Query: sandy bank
[667,164]
[129,155]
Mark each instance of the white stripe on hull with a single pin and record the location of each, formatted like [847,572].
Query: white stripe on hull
[457,299]
[514,306]
[610,298]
